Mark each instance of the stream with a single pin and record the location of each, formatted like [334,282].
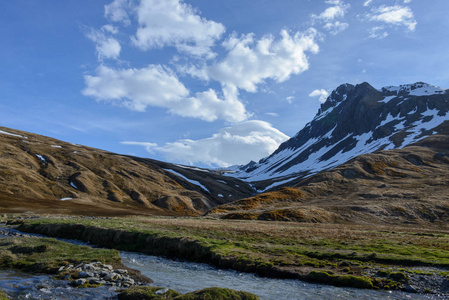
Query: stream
[184,277]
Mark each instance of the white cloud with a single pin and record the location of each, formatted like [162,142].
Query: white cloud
[239,144]
[272,114]
[407,1]
[175,23]
[338,10]
[157,86]
[394,16]
[336,27]
[367,2]
[148,146]
[322,94]
[378,32]
[117,11]
[250,62]
[106,46]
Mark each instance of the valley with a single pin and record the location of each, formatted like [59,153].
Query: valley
[357,198]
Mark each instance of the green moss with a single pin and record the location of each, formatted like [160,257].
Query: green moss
[218,294]
[148,293]
[360,282]
[3,296]
[46,255]
[399,276]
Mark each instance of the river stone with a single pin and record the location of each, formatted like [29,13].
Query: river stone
[93,280]
[161,291]
[79,266]
[121,271]
[79,282]
[85,274]
[109,267]
[410,289]
[112,276]
[88,267]
[104,273]
[128,281]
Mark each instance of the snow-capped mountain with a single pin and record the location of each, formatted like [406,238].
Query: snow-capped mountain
[354,120]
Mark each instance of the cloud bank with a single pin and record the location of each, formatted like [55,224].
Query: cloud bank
[238,144]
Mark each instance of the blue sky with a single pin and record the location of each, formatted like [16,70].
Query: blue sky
[209,83]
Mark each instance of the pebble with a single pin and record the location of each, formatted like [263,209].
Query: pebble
[97,273]
[161,292]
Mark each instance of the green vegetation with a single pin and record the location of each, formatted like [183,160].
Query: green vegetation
[275,249]
[148,293]
[46,255]
[3,296]
[340,280]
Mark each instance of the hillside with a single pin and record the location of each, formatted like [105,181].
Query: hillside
[354,120]
[399,186]
[44,175]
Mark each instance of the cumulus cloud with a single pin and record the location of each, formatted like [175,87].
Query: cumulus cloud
[117,11]
[175,23]
[338,10]
[322,94]
[158,86]
[378,32]
[398,16]
[106,46]
[330,15]
[250,62]
[336,27]
[234,145]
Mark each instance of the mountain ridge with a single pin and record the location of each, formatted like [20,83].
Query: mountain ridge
[354,120]
[63,176]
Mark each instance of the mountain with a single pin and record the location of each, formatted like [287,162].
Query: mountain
[399,186]
[354,120]
[44,175]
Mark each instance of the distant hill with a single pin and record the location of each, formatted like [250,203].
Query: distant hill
[44,175]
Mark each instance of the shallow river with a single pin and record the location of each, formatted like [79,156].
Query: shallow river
[185,277]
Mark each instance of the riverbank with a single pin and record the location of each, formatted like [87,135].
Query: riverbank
[87,267]
[402,258]
[80,265]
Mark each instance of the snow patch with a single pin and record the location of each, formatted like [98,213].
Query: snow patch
[56,146]
[41,158]
[220,195]
[73,185]
[387,99]
[188,180]
[277,183]
[65,199]
[12,134]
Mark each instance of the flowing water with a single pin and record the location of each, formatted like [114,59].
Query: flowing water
[185,277]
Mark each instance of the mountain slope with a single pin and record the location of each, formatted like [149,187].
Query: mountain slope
[399,186]
[354,120]
[42,174]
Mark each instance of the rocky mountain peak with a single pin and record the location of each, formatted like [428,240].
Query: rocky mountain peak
[354,120]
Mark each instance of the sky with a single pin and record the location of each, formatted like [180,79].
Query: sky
[201,82]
